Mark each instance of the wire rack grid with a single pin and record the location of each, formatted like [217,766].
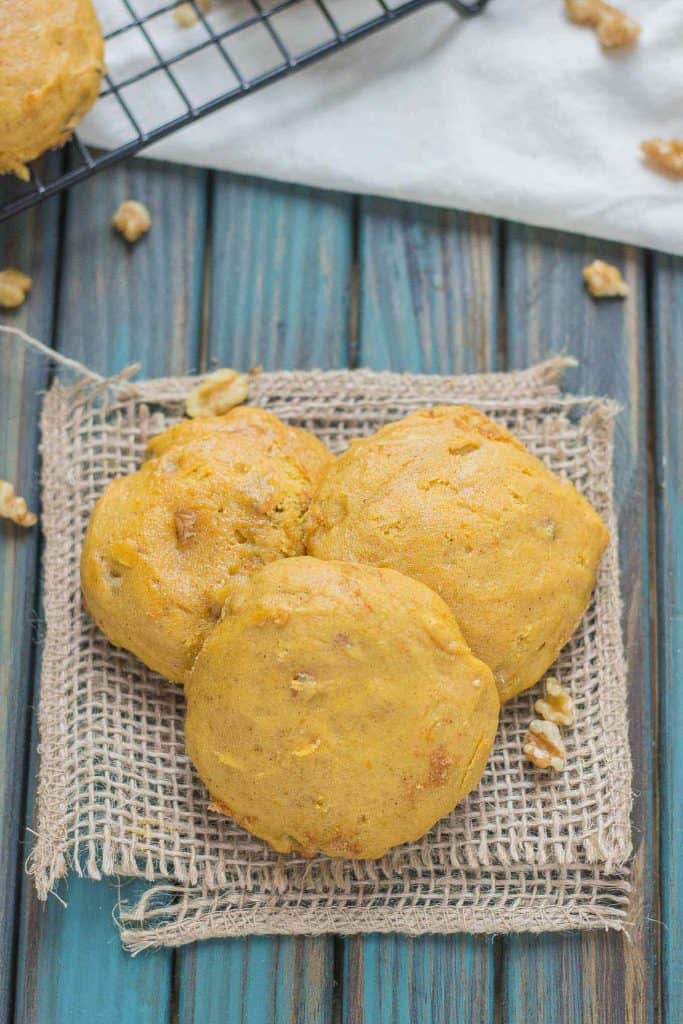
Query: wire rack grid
[161,77]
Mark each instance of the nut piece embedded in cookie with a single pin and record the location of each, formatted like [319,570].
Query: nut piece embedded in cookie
[614,28]
[13,507]
[664,154]
[604,281]
[218,393]
[556,705]
[14,286]
[544,747]
[132,220]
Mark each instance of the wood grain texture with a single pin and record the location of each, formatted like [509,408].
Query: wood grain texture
[29,244]
[595,977]
[281,274]
[428,288]
[428,303]
[117,305]
[279,283]
[667,339]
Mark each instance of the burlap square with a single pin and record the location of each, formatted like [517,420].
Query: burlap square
[117,795]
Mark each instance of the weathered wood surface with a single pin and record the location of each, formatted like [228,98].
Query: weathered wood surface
[667,353]
[22,376]
[243,272]
[595,977]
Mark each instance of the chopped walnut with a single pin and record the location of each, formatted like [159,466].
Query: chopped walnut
[185,15]
[14,286]
[14,507]
[614,28]
[544,747]
[221,391]
[556,704]
[307,748]
[132,220]
[665,154]
[185,522]
[604,281]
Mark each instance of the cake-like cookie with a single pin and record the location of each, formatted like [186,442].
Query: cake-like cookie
[214,500]
[451,498]
[336,708]
[51,63]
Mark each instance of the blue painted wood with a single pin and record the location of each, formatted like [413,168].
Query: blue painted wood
[668,379]
[257,980]
[428,303]
[279,297]
[29,244]
[281,258]
[595,976]
[117,304]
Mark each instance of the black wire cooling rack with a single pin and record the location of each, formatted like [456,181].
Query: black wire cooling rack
[152,86]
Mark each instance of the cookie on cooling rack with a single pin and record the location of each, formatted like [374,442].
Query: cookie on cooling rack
[214,500]
[451,498]
[336,708]
[50,70]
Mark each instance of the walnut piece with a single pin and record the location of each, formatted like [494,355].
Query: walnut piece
[13,287]
[614,28]
[13,507]
[604,281]
[665,154]
[556,704]
[185,522]
[185,15]
[132,220]
[218,393]
[544,747]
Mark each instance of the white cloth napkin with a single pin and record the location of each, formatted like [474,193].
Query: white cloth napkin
[516,113]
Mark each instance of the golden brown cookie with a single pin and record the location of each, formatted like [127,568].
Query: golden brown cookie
[337,708]
[214,500]
[51,63]
[449,497]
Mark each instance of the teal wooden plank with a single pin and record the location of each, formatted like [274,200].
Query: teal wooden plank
[257,980]
[668,379]
[595,976]
[280,279]
[428,303]
[29,244]
[117,305]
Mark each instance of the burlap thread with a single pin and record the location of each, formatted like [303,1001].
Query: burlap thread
[117,795]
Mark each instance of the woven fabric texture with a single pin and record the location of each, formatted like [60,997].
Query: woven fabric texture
[117,794]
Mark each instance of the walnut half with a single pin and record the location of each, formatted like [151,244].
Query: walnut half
[604,281]
[14,286]
[556,704]
[614,28]
[132,220]
[218,393]
[664,154]
[544,747]
[14,507]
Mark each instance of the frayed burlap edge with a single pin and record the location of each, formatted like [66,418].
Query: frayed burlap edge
[530,901]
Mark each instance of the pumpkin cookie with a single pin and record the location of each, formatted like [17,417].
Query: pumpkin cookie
[214,500]
[451,498]
[336,708]
[51,64]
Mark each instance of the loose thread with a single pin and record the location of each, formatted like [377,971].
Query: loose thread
[38,346]
[116,382]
